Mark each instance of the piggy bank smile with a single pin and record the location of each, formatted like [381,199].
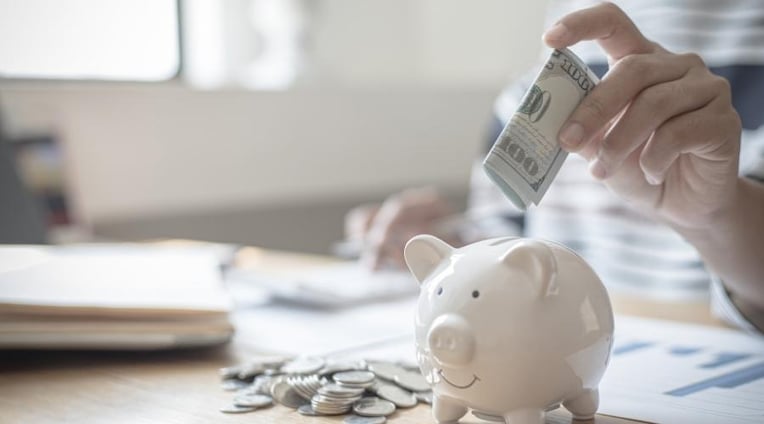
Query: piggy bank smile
[454,384]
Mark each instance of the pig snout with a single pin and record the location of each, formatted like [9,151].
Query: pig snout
[451,340]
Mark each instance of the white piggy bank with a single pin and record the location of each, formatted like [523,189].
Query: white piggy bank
[509,328]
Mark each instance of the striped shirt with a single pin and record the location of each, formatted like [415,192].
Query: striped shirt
[631,252]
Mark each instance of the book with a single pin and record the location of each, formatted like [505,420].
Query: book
[111,296]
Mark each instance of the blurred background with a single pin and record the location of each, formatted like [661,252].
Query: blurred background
[258,122]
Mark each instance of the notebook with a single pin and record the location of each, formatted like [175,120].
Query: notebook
[111,296]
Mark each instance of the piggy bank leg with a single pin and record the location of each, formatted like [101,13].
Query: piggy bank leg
[446,411]
[584,406]
[525,416]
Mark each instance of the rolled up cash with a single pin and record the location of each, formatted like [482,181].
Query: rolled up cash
[527,156]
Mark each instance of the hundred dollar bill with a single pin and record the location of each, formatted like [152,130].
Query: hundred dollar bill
[527,156]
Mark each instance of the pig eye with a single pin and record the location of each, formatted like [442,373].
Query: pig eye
[440,291]
[475,294]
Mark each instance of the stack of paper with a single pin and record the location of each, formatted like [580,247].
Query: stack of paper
[111,297]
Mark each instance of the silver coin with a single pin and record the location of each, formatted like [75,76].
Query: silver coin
[340,391]
[332,412]
[413,381]
[329,409]
[272,372]
[425,397]
[409,366]
[303,365]
[326,406]
[401,398]
[304,385]
[250,371]
[357,419]
[307,409]
[247,391]
[354,378]
[376,385]
[488,417]
[256,401]
[285,395]
[386,370]
[270,361]
[373,407]
[340,366]
[229,372]
[233,385]
[262,385]
[329,401]
[236,409]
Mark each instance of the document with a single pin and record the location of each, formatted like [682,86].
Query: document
[667,372]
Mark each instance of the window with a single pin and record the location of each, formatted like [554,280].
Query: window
[135,40]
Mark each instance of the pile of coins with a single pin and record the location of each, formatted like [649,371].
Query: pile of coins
[316,386]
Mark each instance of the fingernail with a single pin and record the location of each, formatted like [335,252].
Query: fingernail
[571,135]
[598,170]
[652,180]
[559,32]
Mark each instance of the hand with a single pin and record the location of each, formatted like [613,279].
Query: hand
[659,129]
[385,229]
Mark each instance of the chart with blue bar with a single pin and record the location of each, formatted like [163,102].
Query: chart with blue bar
[671,372]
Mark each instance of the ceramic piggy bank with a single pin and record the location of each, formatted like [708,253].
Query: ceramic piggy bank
[509,328]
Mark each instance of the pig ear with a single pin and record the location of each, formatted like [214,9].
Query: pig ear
[423,253]
[537,260]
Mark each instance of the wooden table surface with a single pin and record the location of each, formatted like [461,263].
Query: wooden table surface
[184,386]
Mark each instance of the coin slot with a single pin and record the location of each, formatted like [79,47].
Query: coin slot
[502,241]
[440,291]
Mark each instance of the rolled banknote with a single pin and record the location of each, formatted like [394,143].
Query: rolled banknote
[527,156]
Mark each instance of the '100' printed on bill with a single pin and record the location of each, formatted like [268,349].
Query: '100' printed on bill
[527,156]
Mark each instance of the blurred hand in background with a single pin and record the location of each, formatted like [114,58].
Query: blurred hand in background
[383,229]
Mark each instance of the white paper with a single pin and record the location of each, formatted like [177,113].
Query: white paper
[344,284]
[317,331]
[677,373]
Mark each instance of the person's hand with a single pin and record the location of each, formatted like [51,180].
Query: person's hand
[384,230]
[659,129]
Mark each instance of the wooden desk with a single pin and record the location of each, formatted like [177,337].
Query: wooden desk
[183,387]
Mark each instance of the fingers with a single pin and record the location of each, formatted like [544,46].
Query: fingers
[705,133]
[358,221]
[410,206]
[401,217]
[607,24]
[388,253]
[649,110]
[626,79]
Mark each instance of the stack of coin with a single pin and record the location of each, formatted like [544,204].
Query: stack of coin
[318,386]
[306,386]
[285,394]
[355,379]
[334,399]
